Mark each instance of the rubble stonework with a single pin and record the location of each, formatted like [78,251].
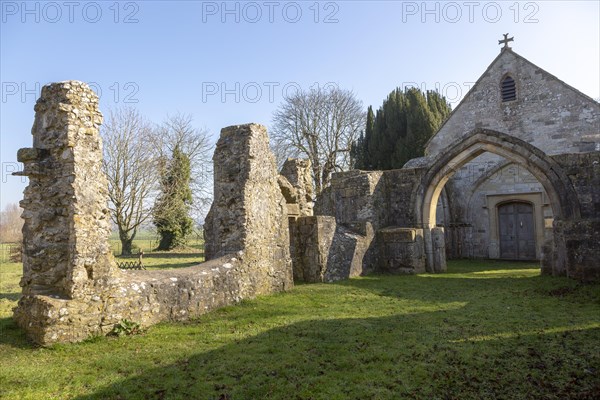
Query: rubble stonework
[309,237]
[67,225]
[296,179]
[71,287]
[249,211]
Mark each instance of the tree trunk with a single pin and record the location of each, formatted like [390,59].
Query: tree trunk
[126,246]
[126,242]
[166,242]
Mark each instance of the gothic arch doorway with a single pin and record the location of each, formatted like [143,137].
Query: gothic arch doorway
[562,197]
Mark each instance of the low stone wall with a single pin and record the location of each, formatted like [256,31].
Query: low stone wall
[366,204]
[145,297]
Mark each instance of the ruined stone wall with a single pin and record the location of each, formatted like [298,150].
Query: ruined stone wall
[375,223]
[297,187]
[339,242]
[584,172]
[71,287]
[355,198]
[249,211]
[67,225]
[308,240]
[402,250]
[313,237]
[400,184]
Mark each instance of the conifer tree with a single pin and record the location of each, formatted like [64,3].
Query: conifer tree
[400,129]
[171,214]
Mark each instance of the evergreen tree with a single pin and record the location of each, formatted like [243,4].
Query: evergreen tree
[171,212]
[363,149]
[400,129]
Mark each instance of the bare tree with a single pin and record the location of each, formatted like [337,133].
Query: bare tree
[131,168]
[320,124]
[11,224]
[178,132]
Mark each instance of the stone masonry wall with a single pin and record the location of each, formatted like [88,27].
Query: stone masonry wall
[576,243]
[370,208]
[298,173]
[306,241]
[249,211]
[66,224]
[313,238]
[547,113]
[71,287]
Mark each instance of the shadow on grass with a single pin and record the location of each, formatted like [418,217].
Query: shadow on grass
[464,337]
[395,357]
[10,296]
[174,255]
[13,336]
[172,265]
[507,283]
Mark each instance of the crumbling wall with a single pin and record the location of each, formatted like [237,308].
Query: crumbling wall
[311,247]
[296,181]
[66,227]
[357,202]
[71,287]
[249,211]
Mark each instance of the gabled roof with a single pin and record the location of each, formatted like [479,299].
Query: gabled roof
[503,53]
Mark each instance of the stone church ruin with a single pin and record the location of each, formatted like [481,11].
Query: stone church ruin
[514,173]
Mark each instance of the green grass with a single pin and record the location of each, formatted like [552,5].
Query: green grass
[192,254]
[147,242]
[484,330]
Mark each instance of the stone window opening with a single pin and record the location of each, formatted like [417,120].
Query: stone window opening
[508,89]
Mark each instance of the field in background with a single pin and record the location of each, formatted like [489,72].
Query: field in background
[147,241]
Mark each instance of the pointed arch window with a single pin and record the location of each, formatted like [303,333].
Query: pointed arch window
[508,89]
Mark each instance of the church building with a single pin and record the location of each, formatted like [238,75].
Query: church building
[493,207]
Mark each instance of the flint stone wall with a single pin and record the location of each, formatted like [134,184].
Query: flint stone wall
[72,288]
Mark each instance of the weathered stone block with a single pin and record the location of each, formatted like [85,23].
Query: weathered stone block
[401,250]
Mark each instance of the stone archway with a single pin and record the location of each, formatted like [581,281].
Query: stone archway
[562,196]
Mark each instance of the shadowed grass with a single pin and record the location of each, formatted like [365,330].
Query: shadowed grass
[483,330]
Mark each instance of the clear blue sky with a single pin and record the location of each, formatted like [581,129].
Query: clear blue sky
[229,63]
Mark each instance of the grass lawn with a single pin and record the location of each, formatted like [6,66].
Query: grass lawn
[484,330]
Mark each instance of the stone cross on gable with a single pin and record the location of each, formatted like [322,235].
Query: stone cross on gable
[506,40]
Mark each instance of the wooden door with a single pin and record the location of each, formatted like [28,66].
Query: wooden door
[517,231]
